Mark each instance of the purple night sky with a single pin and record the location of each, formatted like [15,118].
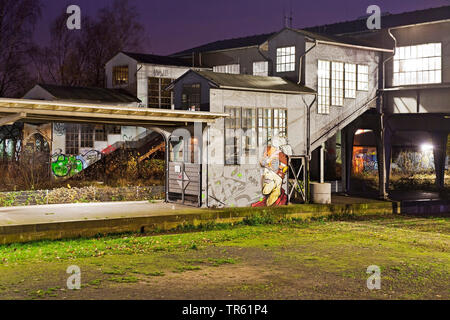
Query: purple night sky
[174,25]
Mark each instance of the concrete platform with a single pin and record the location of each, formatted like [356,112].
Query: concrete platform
[32,223]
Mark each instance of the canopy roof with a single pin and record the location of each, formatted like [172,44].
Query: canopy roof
[12,110]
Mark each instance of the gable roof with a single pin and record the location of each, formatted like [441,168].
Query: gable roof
[387,21]
[89,94]
[260,39]
[233,43]
[248,82]
[156,59]
[341,40]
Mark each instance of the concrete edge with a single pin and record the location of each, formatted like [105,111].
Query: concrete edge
[196,217]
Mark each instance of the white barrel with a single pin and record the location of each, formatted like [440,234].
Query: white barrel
[320,192]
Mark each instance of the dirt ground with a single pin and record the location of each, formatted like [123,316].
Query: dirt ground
[316,260]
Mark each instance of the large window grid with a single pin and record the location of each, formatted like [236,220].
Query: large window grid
[120,75]
[286,59]
[350,80]
[232,135]
[229,68]
[419,64]
[248,128]
[157,96]
[271,122]
[191,97]
[261,68]
[79,136]
[337,83]
[72,138]
[363,77]
[324,93]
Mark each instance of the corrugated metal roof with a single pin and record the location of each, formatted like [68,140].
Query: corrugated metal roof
[260,39]
[89,94]
[228,44]
[387,21]
[250,82]
[155,59]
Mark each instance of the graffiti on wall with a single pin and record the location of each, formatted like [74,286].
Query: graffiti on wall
[68,165]
[275,164]
[233,186]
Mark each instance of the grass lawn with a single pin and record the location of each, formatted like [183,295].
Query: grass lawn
[313,260]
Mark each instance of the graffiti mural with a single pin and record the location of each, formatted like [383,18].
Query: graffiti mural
[275,165]
[69,165]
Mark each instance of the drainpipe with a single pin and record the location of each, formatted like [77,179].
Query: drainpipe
[383,190]
[300,69]
[389,58]
[308,145]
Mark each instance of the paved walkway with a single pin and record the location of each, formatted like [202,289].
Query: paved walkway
[87,211]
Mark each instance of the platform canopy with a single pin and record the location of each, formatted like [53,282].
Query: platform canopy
[12,110]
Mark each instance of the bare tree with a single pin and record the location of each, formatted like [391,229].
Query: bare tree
[77,58]
[17,21]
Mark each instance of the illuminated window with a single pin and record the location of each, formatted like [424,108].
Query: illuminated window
[271,122]
[337,83]
[158,97]
[78,136]
[249,137]
[261,68]
[418,64]
[229,68]
[286,59]
[232,135]
[350,80]
[323,87]
[190,97]
[363,77]
[120,75]
[248,128]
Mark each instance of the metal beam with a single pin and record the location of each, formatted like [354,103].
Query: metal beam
[8,120]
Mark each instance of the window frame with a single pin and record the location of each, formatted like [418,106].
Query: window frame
[280,54]
[264,73]
[337,77]
[162,94]
[188,93]
[264,129]
[119,70]
[350,93]
[420,71]
[228,68]
[324,100]
[360,82]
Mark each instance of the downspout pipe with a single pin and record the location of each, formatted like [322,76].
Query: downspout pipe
[300,69]
[308,146]
[383,190]
[389,58]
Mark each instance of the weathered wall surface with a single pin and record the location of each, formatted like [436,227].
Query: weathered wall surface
[241,185]
[145,71]
[324,126]
[421,100]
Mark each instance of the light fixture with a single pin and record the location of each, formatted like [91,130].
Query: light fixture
[425,147]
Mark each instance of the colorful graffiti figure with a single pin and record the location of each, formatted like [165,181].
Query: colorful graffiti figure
[66,166]
[275,164]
